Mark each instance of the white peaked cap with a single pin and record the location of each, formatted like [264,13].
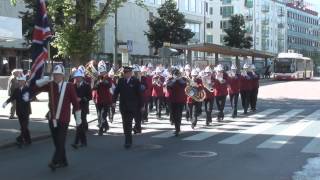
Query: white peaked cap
[82,68]
[111,72]
[22,78]
[246,66]
[59,69]
[78,73]
[233,67]
[198,69]
[102,69]
[219,67]
[158,70]
[102,63]
[181,70]
[135,68]
[144,69]
[253,66]
[208,69]
[150,65]
[194,72]
[187,67]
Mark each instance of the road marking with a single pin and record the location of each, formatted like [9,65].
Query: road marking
[290,130]
[313,146]
[247,134]
[233,125]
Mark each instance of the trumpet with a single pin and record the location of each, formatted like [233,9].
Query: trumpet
[192,91]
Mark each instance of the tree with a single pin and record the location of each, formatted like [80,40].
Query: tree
[236,33]
[75,25]
[168,27]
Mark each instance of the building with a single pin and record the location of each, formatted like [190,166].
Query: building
[12,48]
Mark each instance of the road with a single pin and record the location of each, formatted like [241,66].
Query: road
[273,143]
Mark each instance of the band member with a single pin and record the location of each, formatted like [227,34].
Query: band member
[187,71]
[157,91]
[150,75]
[147,93]
[245,88]
[177,97]
[220,91]
[207,80]
[21,96]
[254,88]
[113,86]
[234,89]
[83,90]
[194,107]
[61,96]
[129,89]
[12,85]
[102,98]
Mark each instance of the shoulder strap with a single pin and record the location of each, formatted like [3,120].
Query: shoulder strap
[63,90]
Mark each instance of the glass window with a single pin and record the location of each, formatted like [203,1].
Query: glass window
[209,38]
[192,6]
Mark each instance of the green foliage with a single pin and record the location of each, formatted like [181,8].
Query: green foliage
[168,27]
[236,33]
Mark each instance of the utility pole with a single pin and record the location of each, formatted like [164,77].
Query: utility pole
[115,49]
[204,27]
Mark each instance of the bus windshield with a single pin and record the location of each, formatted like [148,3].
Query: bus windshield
[284,65]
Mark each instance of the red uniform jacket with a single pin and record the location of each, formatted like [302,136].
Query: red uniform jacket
[176,91]
[221,88]
[144,89]
[157,90]
[255,81]
[101,92]
[234,84]
[210,95]
[245,84]
[70,97]
[149,84]
[200,87]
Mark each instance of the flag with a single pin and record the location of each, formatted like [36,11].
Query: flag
[40,39]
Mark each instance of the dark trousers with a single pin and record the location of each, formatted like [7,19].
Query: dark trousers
[150,103]
[24,136]
[208,106]
[176,113]
[59,139]
[138,120]
[103,111]
[127,118]
[234,103]
[253,98]
[13,108]
[193,111]
[158,102]
[81,130]
[112,112]
[221,101]
[245,99]
[166,104]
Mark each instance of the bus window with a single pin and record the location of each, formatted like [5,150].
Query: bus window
[300,65]
[284,66]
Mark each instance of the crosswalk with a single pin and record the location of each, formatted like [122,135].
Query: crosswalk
[281,127]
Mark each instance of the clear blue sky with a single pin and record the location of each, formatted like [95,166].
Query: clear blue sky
[316,3]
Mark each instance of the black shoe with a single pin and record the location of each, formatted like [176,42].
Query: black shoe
[127,146]
[193,126]
[111,120]
[75,146]
[54,166]
[12,117]
[136,131]
[100,132]
[207,123]
[176,133]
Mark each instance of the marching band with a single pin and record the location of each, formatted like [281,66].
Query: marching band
[140,88]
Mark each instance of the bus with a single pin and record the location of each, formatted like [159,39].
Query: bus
[292,66]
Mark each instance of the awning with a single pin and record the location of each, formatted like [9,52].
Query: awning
[215,48]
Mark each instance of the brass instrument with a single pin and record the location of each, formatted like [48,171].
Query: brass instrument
[192,91]
[157,81]
[207,83]
[119,73]
[91,71]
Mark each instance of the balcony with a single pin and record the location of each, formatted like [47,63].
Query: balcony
[265,8]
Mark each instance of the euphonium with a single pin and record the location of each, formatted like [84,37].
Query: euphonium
[193,92]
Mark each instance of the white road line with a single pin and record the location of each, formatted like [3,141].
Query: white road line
[313,146]
[247,134]
[233,125]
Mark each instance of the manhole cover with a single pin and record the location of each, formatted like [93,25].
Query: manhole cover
[147,147]
[198,154]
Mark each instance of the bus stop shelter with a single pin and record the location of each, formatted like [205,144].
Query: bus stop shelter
[224,50]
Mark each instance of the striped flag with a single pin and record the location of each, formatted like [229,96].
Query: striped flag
[40,39]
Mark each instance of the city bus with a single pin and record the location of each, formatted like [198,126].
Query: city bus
[292,66]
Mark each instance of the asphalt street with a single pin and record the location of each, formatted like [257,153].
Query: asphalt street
[272,144]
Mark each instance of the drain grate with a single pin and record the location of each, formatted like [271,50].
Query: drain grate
[198,154]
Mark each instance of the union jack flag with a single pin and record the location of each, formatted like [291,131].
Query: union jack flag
[40,39]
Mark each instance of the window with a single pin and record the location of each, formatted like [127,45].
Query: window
[192,6]
[211,11]
[209,38]
[226,11]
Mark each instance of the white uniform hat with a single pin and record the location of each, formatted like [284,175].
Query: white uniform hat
[144,69]
[194,72]
[136,68]
[233,67]
[208,69]
[59,69]
[181,70]
[82,69]
[198,69]
[253,66]
[150,65]
[246,66]
[22,78]
[158,70]
[102,63]
[219,67]
[102,69]
[187,67]
[78,73]
[111,72]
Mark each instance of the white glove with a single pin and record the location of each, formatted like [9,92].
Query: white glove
[26,97]
[4,104]
[41,82]
[77,115]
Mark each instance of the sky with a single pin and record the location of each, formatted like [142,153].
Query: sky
[316,3]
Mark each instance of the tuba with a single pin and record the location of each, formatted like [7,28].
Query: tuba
[193,92]
[91,71]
